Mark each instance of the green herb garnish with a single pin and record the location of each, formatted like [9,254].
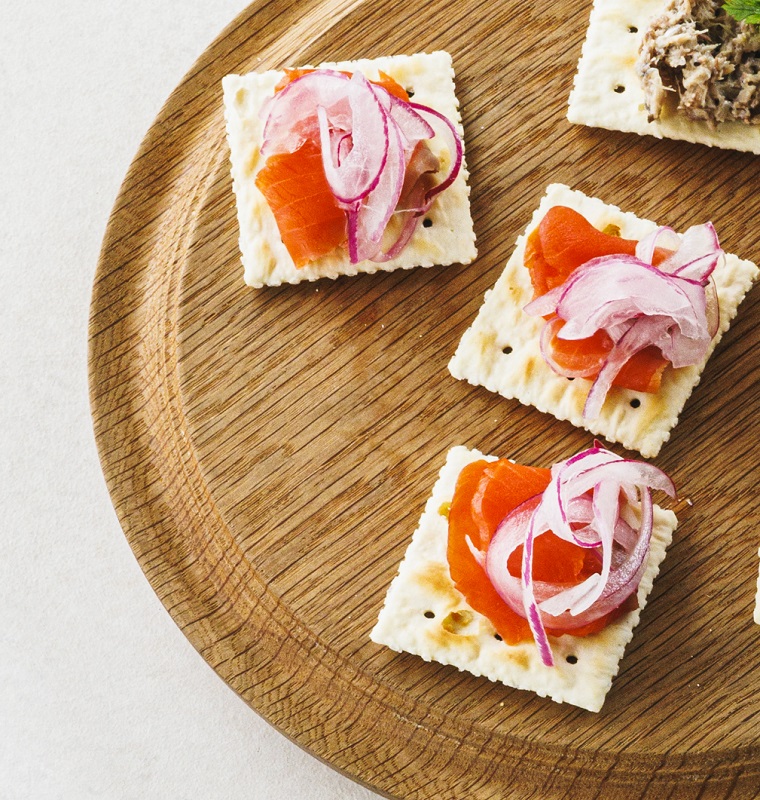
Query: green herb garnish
[744,10]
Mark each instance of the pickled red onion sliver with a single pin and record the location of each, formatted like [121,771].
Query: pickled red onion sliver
[595,499]
[444,127]
[360,169]
[694,256]
[415,198]
[673,306]
[291,117]
[368,139]
[368,220]
[409,118]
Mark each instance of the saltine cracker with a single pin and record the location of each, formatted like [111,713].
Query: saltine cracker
[425,614]
[501,351]
[450,239]
[607,90]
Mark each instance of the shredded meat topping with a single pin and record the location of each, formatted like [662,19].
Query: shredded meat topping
[710,63]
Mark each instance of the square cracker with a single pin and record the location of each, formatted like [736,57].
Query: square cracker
[501,352]
[424,614]
[607,91]
[450,239]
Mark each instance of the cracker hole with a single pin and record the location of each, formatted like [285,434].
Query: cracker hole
[506,349]
[632,29]
[635,403]
[429,615]
[498,637]
[571,379]
[571,659]
[619,89]
[457,621]
[427,222]
[410,92]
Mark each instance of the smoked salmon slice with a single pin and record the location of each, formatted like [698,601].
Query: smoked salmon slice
[641,373]
[486,492]
[563,240]
[309,220]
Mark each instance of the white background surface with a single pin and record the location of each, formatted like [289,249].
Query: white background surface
[101,696]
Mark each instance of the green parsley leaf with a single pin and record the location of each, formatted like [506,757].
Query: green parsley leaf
[744,10]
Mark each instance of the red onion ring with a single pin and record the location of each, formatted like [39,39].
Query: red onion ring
[361,169]
[673,306]
[413,202]
[444,127]
[694,256]
[407,117]
[368,219]
[620,491]
[298,102]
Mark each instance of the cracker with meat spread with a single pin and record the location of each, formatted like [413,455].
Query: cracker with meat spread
[501,350]
[447,235]
[425,614]
[618,88]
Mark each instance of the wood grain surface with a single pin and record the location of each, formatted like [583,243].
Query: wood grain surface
[269,451]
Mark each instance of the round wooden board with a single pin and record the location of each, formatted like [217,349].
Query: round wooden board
[269,451]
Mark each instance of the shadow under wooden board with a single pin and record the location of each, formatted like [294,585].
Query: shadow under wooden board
[269,451]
